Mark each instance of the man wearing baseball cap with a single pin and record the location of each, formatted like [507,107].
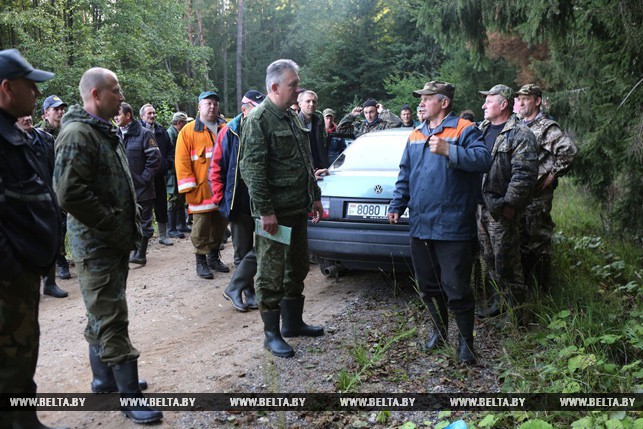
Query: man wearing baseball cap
[231,194]
[176,201]
[556,152]
[506,189]
[449,150]
[29,234]
[194,148]
[53,109]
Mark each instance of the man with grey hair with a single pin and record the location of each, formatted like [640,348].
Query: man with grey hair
[148,121]
[93,184]
[506,190]
[276,166]
[194,149]
[313,120]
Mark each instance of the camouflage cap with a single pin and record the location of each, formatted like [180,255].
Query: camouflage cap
[328,112]
[500,89]
[436,87]
[530,89]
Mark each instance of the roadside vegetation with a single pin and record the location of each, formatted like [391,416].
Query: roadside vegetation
[586,337]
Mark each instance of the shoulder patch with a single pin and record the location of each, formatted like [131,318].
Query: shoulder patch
[152,143]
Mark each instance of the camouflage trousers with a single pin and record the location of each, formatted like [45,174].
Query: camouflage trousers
[500,250]
[282,269]
[207,231]
[19,333]
[537,226]
[103,281]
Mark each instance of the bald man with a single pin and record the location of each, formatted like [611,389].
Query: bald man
[93,184]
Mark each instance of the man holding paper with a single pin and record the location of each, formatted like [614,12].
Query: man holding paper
[277,168]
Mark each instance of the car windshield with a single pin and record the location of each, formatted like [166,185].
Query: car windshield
[373,151]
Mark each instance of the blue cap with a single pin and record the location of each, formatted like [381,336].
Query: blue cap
[208,94]
[52,101]
[14,66]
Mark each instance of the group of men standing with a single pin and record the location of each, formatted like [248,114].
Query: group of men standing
[500,176]
[260,170]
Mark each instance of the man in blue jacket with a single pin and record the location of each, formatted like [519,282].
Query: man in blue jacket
[231,195]
[439,182]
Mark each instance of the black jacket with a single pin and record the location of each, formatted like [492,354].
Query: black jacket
[143,157]
[165,146]
[29,221]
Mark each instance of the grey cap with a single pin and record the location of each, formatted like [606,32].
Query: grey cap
[14,66]
[178,117]
[328,112]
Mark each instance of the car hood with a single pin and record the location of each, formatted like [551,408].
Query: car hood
[359,184]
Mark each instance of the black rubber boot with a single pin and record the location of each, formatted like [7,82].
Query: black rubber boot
[242,279]
[466,352]
[172,232]
[202,269]
[251,300]
[274,342]
[181,224]
[496,307]
[140,255]
[102,377]
[27,420]
[62,268]
[440,320]
[51,288]
[214,262]
[292,310]
[126,376]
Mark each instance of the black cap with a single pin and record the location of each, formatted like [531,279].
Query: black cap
[14,66]
[370,103]
[253,97]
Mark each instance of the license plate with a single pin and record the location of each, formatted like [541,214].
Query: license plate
[370,211]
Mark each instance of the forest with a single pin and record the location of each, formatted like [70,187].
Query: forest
[585,54]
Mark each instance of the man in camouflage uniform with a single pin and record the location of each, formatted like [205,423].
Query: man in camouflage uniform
[556,152]
[276,166]
[93,184]
[176,200]
[506,190]
[377,118]
[29,235]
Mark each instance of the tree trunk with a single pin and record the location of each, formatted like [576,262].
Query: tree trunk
[239,79]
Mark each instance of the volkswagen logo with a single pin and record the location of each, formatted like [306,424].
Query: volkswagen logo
[378,189]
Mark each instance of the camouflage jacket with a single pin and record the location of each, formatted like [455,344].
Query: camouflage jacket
[514,168]
[556,151]
[385,120]
[93,184]
[276,163]
[44,125]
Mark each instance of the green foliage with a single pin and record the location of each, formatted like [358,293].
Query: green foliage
[590,335]
[592,75]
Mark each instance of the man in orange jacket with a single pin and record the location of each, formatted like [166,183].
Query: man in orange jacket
[194,148]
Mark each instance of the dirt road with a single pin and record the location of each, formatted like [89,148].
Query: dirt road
[190,338]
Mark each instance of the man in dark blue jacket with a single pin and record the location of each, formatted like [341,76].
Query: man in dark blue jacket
[439,182]
[231,195]
[144,159]
[29,235]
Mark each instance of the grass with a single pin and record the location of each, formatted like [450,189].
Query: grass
[589,337]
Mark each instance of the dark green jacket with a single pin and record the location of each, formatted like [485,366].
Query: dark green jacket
[514,168]
[93,184]
[276,162]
